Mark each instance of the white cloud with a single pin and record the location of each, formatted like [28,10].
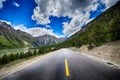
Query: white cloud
[1,3]
[71,8]
[6,22]
[20,27]
[37,31]
[15,4]
[40,18]
[78,20]
[57,8]
[72,27]
[109,3]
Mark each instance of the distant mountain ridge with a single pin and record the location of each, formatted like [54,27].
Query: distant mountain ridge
[49,40]
[11,38]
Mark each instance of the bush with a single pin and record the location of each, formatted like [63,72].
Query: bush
[4,59]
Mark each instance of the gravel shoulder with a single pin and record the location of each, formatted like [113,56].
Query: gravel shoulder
[108,52]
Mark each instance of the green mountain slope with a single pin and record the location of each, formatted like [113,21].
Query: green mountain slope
[11,38]
[105,28]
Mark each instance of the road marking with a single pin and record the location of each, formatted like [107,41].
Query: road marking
[67,68]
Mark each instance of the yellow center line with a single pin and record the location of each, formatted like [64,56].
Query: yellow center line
[67,68]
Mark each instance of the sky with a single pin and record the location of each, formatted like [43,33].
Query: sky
[60,18]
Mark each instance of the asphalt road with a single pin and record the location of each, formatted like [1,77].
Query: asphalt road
[65,64]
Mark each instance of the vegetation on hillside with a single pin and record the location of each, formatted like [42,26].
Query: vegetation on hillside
[11,38]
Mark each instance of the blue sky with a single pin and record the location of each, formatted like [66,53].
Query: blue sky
[58,18]
[18,15]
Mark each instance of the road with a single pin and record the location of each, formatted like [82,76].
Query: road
[66,64]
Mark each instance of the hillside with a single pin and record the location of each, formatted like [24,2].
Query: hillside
[11,38]
[105,28]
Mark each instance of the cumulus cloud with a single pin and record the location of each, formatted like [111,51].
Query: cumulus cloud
[37,31]
[8,22]
[58,8]
[72,8]
[109,3]
[1,3]
[15,4]
[77,10]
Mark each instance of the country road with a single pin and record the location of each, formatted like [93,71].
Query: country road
[66,64]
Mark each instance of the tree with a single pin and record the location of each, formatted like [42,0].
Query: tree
[12,57]
[4,59]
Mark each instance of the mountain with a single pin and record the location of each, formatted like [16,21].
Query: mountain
[48,40]
[11,38]
[104,28]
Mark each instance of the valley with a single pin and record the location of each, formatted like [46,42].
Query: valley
[92,52]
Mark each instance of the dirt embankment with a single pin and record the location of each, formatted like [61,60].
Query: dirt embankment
[109,51]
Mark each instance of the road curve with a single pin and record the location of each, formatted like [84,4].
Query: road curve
[65,64]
